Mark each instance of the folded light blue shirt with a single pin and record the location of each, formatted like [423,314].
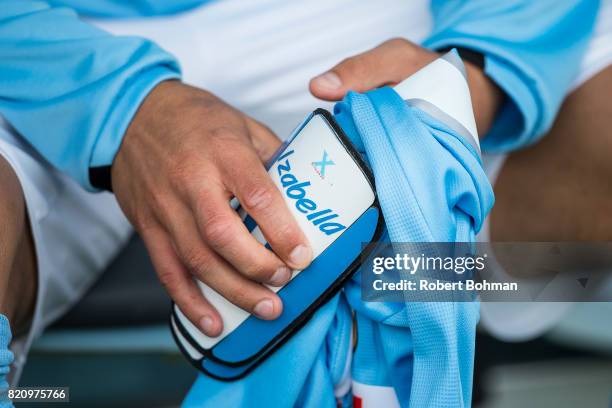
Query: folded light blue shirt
[72,89]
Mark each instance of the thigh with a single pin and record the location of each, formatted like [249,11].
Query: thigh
[74,234]
[17,259]
[560,189]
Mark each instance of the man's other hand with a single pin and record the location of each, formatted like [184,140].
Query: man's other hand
[392,62]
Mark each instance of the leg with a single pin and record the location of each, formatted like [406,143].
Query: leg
[17,257]
[556,190]
[51,254]
[560,189]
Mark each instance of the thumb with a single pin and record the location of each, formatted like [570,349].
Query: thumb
[389,63]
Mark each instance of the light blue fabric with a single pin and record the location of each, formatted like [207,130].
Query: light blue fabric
[127,8]
[6,359]
[532,51]
[432,188]
[72,89]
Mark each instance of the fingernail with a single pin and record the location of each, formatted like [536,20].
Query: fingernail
[207,324]
[301,256]
[281,276]
[328,80]
[264,309]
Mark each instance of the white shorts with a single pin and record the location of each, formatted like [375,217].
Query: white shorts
[76,234]
[258,56]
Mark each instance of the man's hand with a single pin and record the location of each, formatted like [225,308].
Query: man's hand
[393,61]
[184,156]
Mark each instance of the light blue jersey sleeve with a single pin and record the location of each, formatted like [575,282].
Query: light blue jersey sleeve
[532,51]
[69,88]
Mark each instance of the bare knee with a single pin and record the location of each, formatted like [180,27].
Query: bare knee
[559,189]
[17,263]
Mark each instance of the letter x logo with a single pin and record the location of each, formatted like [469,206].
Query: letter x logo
[323,163]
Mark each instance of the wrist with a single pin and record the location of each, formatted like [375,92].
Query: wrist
[487,97]
[151,115]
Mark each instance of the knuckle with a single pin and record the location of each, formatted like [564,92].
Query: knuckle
[145,223]
[160,202]
[202,195]
[222,135]
[197,260]
[357,66]
[258,198]
[258,271]
[288,235]
[182,170]
[193,305]
[223,143]
[240,298]
[232,153]
[168,279]
[350,63]
[217,230]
